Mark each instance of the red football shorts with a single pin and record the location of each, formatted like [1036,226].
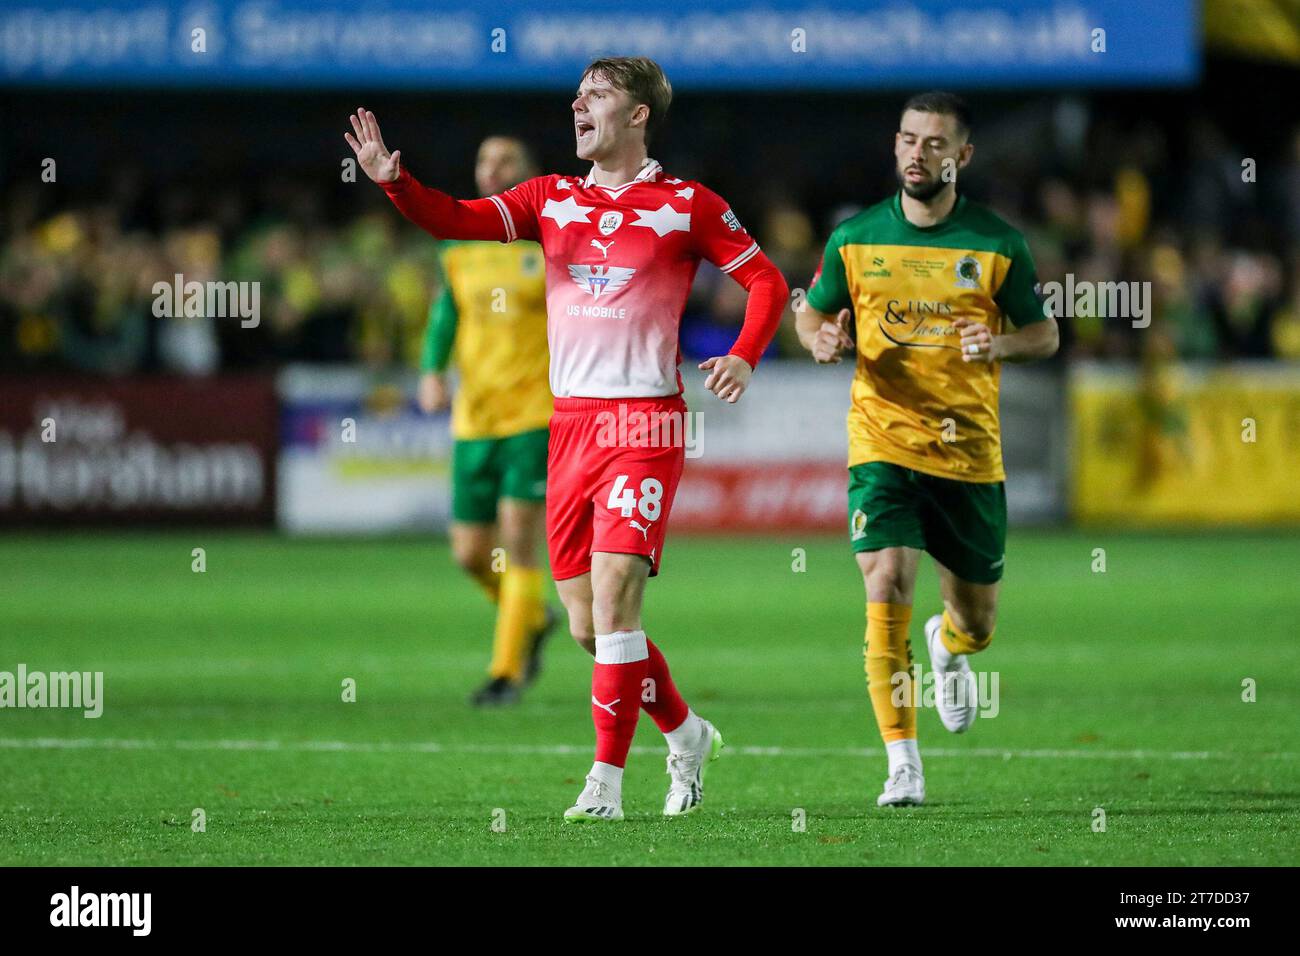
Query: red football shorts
[612,472]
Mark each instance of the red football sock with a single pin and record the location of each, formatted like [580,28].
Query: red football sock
[621,662]
[665,705]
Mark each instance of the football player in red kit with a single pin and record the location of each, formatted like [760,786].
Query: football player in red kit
[622,245]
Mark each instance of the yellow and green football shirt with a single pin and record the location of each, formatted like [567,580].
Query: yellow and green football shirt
[915,403]
[491,319]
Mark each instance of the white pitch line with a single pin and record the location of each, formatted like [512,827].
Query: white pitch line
[567,750]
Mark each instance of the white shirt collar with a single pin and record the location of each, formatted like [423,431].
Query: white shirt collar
[649,170]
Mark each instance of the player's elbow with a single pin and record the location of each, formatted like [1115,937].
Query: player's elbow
[780,288]
[766,279]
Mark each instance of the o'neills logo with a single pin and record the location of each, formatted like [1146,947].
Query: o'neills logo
[81,690]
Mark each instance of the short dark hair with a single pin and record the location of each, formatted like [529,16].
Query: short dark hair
[943,103]
[640,78]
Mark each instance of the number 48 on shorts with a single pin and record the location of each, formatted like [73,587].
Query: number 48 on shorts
[650,504]
[602,497]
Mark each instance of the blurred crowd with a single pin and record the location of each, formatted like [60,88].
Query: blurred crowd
[1219,242]
[77,288]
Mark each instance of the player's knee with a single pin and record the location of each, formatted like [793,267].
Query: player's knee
[616,604]
[520,549]
[472,559]
[585,639]
[606,614]
[519,533]
[583,632]
[888,584]
[978,622]
[888,574]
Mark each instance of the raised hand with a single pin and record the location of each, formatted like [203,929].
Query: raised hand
[372,155]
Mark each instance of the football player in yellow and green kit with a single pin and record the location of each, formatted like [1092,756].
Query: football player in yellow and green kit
[942,292]
[490,319]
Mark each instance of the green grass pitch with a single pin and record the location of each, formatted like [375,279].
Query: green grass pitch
[1119,690]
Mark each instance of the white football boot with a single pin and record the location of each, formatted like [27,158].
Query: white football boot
[904,788]
[956,691]
[686,771]
[598,801]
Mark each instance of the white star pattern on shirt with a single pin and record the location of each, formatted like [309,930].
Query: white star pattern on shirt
[686,192]
[663,220]
[562,184]
[567,211]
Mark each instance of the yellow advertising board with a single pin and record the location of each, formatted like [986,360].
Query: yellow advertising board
[1174,444]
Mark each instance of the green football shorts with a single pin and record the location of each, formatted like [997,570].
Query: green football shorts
[485,470]
[962,524]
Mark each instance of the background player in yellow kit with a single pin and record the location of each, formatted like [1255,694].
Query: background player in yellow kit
[943,291]
[490,319]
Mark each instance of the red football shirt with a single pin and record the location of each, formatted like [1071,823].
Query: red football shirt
[619,266]
[620,261]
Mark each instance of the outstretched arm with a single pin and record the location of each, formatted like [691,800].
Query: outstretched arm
[431,210]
